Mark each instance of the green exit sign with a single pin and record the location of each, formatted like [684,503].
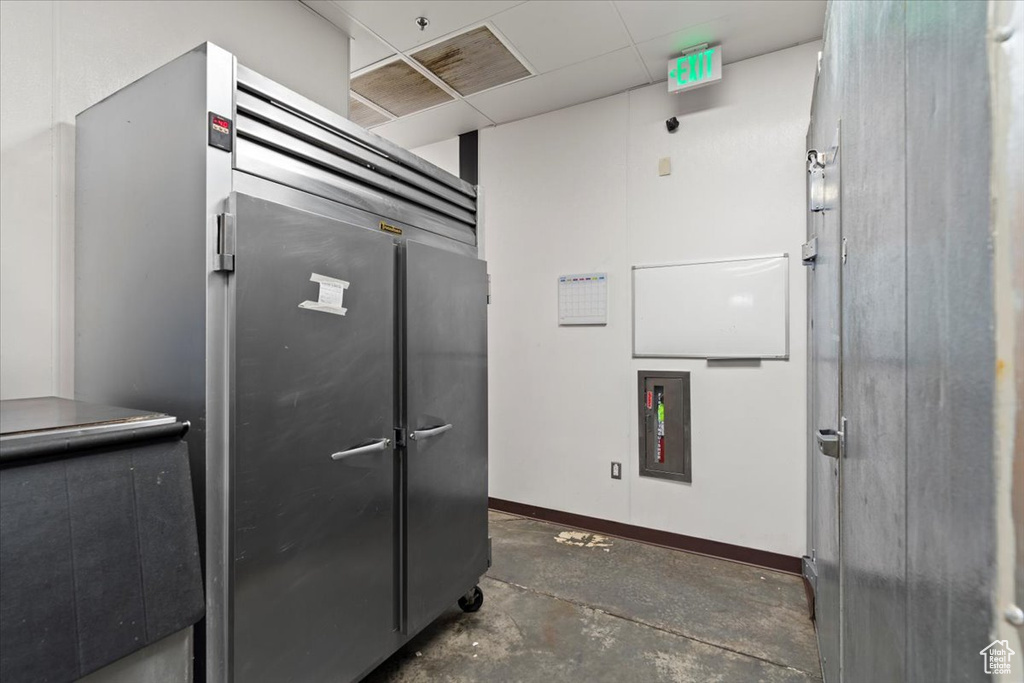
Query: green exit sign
[695,68]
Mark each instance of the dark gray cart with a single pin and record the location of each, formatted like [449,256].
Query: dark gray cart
[99,556]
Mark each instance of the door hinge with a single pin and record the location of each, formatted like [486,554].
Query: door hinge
[844,250]
[488,289]
[809,252]
[225,261]
[809,569]
[815,181]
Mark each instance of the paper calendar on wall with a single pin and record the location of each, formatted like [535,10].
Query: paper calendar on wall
[583,299]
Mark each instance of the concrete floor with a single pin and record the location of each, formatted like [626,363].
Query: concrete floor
[571,606]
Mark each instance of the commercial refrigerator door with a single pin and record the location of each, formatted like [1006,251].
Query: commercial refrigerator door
[446,415]
[313,480]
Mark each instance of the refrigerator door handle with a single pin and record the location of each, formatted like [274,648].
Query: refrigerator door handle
[378,445]
[427,433]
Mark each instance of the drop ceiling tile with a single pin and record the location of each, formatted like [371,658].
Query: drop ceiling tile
[551,35]
[362,115]
[589,80]
[657,52]
[434,125]
[648,19]
[766,28]
[365,48]
[398,88]
[472,62]
[395,21]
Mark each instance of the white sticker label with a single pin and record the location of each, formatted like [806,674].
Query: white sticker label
[332,293]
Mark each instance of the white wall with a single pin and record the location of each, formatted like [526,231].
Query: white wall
[577,190]
[444,154]
[58,58]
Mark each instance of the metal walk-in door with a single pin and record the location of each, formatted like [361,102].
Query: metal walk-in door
[313,463]
[826,422]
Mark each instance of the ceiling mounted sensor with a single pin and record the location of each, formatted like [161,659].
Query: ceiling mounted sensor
[363,115]
[472,61]
[398,88]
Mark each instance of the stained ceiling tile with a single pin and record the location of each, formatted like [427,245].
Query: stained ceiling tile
[363,115]
[398,88]
[472,62]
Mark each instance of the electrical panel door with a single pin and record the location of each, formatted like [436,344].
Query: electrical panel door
[664,408]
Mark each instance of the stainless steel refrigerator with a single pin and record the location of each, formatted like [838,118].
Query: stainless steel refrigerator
[309,296]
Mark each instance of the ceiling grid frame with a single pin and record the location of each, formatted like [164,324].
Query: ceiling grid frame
[632,43]
[424,71]
[372,105]
[754,24]
[396,95]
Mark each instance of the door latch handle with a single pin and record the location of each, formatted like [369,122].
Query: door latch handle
[828,442]
[378,445]
[427,433]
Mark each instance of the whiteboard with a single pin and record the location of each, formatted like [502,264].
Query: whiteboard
[715,309]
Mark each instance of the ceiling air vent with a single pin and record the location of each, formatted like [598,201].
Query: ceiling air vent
[398,88]
[362,115]
[472,61]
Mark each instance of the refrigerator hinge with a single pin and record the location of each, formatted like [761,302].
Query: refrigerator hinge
[225,262]
[809,569]
[809,252]
[815,181]
[488,289]
[399,437]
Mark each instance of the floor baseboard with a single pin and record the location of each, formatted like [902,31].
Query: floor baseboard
[702,546]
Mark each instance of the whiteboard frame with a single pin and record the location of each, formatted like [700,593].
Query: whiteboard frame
[632,305]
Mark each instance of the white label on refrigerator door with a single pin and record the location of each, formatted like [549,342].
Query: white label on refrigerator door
[332,293]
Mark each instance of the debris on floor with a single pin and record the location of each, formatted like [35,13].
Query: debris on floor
[556,612]
[583,539]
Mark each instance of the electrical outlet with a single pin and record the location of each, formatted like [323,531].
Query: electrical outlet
[616,470]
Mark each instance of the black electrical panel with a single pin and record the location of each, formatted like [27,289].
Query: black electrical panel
[664,402]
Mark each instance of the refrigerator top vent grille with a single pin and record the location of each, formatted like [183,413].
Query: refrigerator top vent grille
[285,138]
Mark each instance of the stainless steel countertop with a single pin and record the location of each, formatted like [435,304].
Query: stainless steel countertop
[49,416]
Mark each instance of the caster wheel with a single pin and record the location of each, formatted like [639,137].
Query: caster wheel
[471,601]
